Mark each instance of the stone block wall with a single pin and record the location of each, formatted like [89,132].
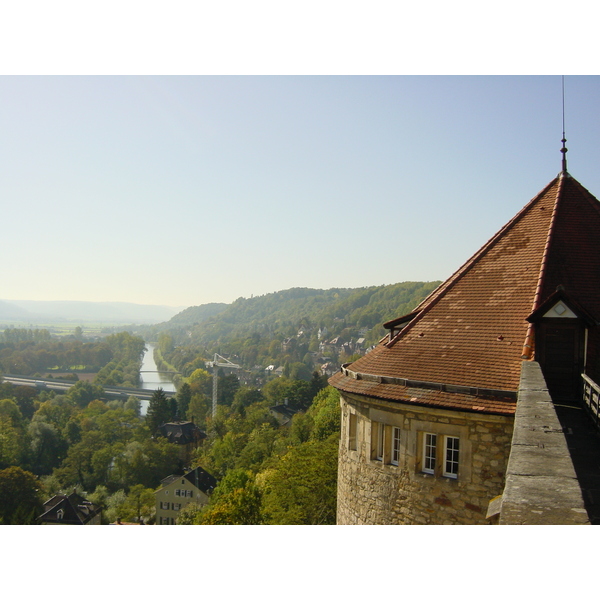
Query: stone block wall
[376,492]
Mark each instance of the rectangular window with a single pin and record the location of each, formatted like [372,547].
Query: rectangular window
[380,440]
[176,506]
[451,458]
[395,460]
[177,492]
[352,423]
[429,452]
[164,505]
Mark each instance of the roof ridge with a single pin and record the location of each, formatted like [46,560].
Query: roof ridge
[430,301]
[588,195]
[528,343]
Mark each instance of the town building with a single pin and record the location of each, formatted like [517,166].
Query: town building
[435,416]
[185,434]
[284,413]
[70,509]
[177,491]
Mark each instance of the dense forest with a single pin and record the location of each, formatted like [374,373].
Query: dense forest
[51,442]
[109,453]
[268,472]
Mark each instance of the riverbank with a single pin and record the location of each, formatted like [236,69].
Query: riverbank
[163,365]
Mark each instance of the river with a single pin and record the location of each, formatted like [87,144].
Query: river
[151,379]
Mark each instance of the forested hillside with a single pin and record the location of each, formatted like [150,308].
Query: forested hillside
[294,327]
[196,314]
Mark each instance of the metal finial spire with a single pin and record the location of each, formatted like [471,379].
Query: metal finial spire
[564,149]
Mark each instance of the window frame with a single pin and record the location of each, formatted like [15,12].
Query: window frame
[429,453]
[352,431]
[395,454]
[452,461]
[380,450]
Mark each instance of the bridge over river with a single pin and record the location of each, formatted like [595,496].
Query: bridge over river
[112,393]
[151,379]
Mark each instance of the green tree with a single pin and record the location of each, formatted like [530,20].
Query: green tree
[140,503]
[133,404]
[184,397]
[14,444]
[25,396]
[10,443]
[228,386]
[301,428]
[83,392]
[145,462]
[325,413]
[244,397]
[47,447]
[54,409]
[165,343]
[200,406]
[200,381]
[20,501]
[189,514]
[300,370]
[79,466]
[159,411]
[235,501]
[260,446]
[301,487]
[114,505]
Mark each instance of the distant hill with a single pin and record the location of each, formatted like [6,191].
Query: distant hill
[196,314]
[39,311]
[11,312]
[291,325]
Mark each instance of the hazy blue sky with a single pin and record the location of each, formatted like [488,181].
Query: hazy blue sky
[185,190]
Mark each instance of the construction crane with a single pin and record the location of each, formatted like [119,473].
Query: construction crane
[218,361]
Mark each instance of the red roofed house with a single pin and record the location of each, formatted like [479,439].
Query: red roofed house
[428,415]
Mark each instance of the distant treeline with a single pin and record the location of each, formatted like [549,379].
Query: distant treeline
[27,352]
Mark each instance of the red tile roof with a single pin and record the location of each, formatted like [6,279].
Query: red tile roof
[472,330]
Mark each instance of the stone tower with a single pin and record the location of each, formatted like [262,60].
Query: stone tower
[427,416]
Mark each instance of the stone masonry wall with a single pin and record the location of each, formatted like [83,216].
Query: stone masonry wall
[376,492]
